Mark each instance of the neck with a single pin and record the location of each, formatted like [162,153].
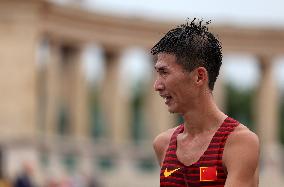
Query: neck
[206,117]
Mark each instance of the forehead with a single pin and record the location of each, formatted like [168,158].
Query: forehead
[166,60]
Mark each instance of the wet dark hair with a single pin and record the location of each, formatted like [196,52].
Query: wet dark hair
[194,46]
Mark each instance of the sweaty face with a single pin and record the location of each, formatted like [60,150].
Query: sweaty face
[174,84]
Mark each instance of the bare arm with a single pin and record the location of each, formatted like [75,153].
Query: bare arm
[241,156]
[161,143]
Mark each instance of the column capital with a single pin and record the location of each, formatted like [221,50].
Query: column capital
[265,61]
[112,53]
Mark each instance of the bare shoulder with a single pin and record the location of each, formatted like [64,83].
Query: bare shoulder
[242,143]
[241,157]
[162,140]
[161,143]
[242,136]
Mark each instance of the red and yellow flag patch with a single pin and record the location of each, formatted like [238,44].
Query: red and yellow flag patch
[208,173]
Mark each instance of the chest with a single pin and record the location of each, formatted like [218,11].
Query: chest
[190,151]
[195,163]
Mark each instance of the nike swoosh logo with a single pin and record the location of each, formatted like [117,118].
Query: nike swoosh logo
[168,173]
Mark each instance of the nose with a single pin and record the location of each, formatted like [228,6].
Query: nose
[158,85]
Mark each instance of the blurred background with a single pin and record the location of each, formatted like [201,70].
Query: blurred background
[77,105]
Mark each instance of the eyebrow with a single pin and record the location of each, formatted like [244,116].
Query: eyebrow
[162,67]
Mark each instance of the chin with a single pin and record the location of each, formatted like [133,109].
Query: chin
[175,110]
[172,110]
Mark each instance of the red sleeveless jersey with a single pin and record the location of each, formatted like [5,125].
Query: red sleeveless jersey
[208,171]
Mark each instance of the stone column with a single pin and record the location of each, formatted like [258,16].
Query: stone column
[267,103]
[66,84]
[52,82]
[19,39]
[115,100]
[267,124]
[79,105]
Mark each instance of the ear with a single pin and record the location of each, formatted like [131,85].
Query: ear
[202,76]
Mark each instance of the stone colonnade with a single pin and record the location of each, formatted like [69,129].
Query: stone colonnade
[25,116]
[66,81]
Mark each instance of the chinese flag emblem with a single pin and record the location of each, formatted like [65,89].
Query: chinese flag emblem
[208,173]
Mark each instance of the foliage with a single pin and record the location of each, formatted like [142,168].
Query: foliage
[239,105]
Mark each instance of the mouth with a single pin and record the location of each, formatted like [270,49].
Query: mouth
[167,98]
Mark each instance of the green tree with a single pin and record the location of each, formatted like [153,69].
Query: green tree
[239,105]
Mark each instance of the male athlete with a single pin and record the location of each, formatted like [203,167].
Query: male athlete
[209,149]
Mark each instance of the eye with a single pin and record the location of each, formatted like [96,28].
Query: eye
[162,71]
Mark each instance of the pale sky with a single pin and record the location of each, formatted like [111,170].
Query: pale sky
[241,70]
[241,12]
